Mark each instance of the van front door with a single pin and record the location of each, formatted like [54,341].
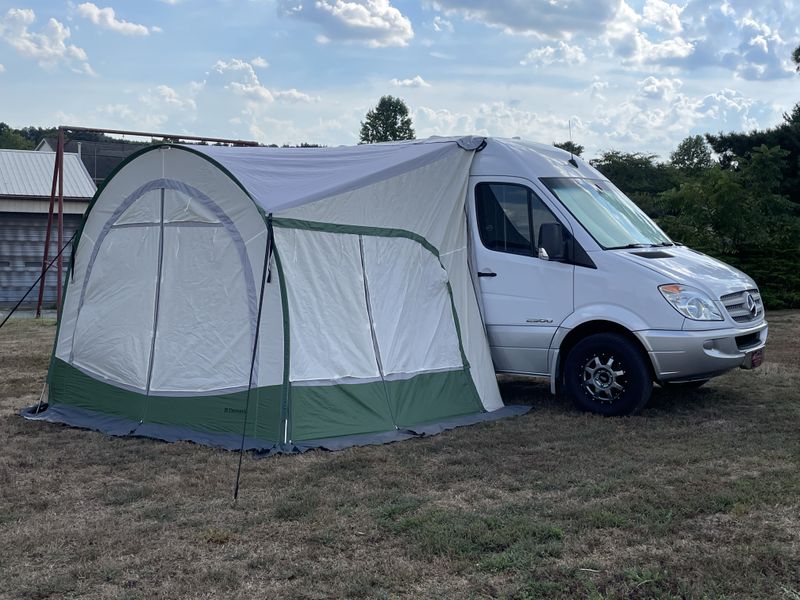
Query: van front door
[526,282]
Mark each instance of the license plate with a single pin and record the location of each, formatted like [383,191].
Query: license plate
[754,359]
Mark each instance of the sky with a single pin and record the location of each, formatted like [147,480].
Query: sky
[631,75]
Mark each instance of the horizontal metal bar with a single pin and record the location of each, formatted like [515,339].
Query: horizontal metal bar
[169,136]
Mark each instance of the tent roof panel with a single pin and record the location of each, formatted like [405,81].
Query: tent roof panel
[280,178]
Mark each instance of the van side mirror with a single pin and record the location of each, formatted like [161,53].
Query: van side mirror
[552,241]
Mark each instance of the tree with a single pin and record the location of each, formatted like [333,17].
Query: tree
[730,147]
[388,121]
[570,146]
[635,173]
[739,215]
[11,138]
[796,58]
[692,156]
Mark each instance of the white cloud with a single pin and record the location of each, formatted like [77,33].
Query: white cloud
[293,95]
[235,64]
[48,47]
[663,15]
[442,24]
[597,89]
[2,68]
[661,89]
[250,87]
[628,42]
[551,19]
[655,116]
[252,91]
[561,53]
[259,63]
[375,23]
[122,111]
[746,38]
[414,82]
[493,119]
[430,121]
[163,94]
[106,18]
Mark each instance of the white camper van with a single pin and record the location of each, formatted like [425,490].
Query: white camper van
[577,284]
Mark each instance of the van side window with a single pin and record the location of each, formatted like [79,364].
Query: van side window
[504,218]
[510,217]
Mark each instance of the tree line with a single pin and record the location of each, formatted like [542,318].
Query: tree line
[734,196]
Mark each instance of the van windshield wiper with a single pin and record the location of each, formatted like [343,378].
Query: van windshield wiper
[629,246]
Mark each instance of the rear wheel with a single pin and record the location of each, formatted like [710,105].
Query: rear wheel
[605,373]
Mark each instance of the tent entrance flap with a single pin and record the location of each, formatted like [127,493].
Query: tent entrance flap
[177,243]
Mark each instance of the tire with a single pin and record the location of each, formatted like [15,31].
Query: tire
[684,385]
[607,374]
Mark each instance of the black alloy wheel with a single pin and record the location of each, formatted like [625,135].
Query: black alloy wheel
[605,373]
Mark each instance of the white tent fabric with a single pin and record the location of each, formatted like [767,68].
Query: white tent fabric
[278,178]
[367,298]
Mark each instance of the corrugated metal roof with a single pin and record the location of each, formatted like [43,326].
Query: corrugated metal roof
[30,173]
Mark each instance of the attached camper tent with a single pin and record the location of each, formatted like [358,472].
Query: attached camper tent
[301,297]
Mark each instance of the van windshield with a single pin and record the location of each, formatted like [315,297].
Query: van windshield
[612,219]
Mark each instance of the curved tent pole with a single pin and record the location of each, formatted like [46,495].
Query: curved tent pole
[264,278]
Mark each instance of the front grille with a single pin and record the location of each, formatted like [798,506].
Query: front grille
[737,305]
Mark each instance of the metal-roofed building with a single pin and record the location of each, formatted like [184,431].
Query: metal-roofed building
[26,178]
[99,158]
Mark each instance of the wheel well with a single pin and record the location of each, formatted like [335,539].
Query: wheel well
[590,328]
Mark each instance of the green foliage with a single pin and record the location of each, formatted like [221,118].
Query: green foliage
[636,173]
[731,147]
[740,216]
[692,155]
[570,146]
[12,139]
[388,121]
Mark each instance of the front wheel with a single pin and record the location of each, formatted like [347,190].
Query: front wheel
[605,373]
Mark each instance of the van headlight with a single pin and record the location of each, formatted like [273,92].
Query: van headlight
[690,302]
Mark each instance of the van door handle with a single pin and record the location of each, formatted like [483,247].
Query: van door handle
[487,273]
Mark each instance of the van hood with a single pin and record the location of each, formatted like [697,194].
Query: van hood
[679,264]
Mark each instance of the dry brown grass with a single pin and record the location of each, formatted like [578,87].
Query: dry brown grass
[699,497]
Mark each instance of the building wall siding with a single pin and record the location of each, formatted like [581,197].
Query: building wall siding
[22,238]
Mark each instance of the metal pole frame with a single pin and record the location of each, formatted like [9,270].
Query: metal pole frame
[60,168]
[47,241]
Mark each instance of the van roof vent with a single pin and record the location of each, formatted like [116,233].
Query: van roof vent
[653,254]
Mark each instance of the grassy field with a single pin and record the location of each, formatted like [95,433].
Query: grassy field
[698,497]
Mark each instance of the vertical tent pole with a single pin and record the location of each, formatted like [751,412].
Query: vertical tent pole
[60,161]
[46,253]
[264,279]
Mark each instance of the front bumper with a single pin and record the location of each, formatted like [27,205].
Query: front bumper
[692,355]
